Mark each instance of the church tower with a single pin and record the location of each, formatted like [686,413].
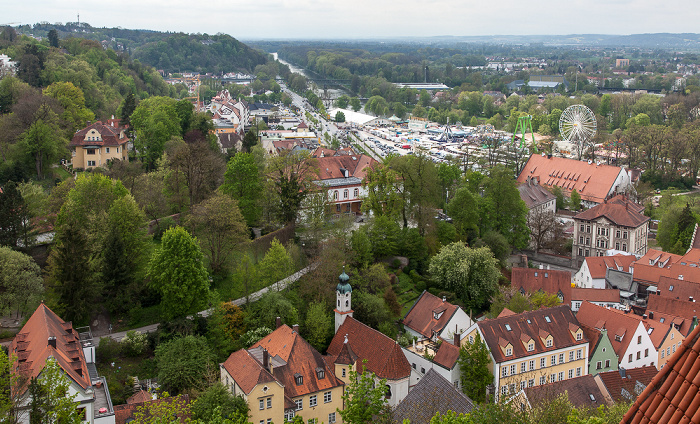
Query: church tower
[343,296]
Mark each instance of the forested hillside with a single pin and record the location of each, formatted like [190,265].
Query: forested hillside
[171,52]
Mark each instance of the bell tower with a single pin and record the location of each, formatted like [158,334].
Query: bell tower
[343,297]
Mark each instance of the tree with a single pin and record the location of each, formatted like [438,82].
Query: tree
[249,140]
[575,200]
[271,305]
[339,117]
[464,211]
[355,104]
[15,226]
[318,326]
[177,272]
[242,182]
[474,368]
[184,363]
[51,399]
[201,168]
[370,309]
[53,38]
[362,248]
[364,398]
[21,283]
[276,265]
[505,211]
[292,174]
[217,396]
[72,100]
[155,121]
[471,273]
[220,227]
[542,224]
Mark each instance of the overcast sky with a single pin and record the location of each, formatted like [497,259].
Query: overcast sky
[256,19]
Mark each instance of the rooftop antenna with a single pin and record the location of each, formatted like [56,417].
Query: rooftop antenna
[78,18]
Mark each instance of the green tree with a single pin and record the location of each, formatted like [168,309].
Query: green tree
[575,200]
[318,326]
[242,182]
[364,398]
[249,140]
[217,396]
[292,174]
[276,264]
[362,248]
[559,194]
[220,227]
[464,211]
[184,363]
[21,282]
[474,369]
[339,117]
[370,309]
[176,271]
[505,211]
[155,121]
[51,401]
[342,101]
[355,104]
[471,273]
[271,305]
[72,99]
[53,38]
[43,141]
[15,225]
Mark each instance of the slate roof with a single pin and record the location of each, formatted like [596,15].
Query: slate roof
[32,348]
[615,321]
[672,396]
[421,317]
[301,360]
[614,382]
[598,265]
[618,210]
[534,194]
[583,392]
[548,280]
[110,136]
[431,395]
[384,356]
[592,181]
[532,324]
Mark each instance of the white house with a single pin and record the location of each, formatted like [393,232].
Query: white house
[441,356]
[594,268]
[432,318]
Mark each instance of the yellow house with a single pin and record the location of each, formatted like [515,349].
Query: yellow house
[97,144]
[532,348]
[281,376]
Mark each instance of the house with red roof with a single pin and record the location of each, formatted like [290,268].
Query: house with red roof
[98,144]
[682,313]
[144,403]
[533,348]
[342,176]
[594,269]
[617,223]
[626,384]
[281,376]
[594,181]
[45,336]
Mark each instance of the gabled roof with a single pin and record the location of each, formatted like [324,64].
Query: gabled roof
[672,396]
[598,265]
[583,392]
[595,295]
[431,395]
[421,317]
[246,370]
[679,312]
[619,210]
[301,360]
[634,380]
[139,397]
[618,323]
[330,166]
[384,356]
[110,136]
[447,355]
[594,337]
[346,356]
[32,348]
[593,181]
[534,194]
[548,280]
[538,325]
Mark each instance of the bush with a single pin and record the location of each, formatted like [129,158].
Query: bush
[163,225]
[134,343]
[108,350]
[388,329]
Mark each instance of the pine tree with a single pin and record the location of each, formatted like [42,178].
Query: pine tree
[473,362]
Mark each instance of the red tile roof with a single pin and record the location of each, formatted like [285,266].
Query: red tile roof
[31,346]
[548,280]
[139,397]
[384,356]
[595,295]
[536,325]
[421,317]
[619,210]
[614,382]
[578,390]
[357,166]
[110,136]
[615,321]
[592,181]
[680,312]
[447,355]
[246,370]
[301,360]
[598,265]
[672,396]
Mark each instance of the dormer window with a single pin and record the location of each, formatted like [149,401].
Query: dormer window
[530,347]
[548,343]
[320,373]
[437,315]
[509,351]
[579,336]
[298,379]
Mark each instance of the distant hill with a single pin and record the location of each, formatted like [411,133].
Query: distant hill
[171,52]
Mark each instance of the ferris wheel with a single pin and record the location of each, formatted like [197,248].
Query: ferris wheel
[577,124]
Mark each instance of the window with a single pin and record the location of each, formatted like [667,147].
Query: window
[672,336]
[513,369]
[504,390]
[530,347]
[571,356]
[579,354]
[91,163]
[668,351]
[90,151]
[561,375]
[522,384]
[344,371]
[582,228]
[262,403]
[617,233]
[607,363]
[504,372]
[356,193]
[320,373]
[543,380]
[346,194]
[530,382]
[561,358]
[512,388]
[673,349]
[312,421]
[571,373]
[414,366]
[639,355]
[552,378]
[387,394]
[312,401]
[337,208]
[522,367]
[624,246]
[543,362]
[300,404]
[117,149]
[327,397]
[663,351]
[269,402]
[299,379]
[599,365]
[624,234]
[646,353]
[331,418]
[639,339]
[588,228]
[579,336]
[422,370]
[578,372]
[532,365]
[553,360]
[617,246]
[548,343]
[509,352]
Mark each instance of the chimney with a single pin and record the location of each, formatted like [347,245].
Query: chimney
[278,322]
[444,299]
[295,328]
[52,342]
[644,316]
[456,340]
[266,360]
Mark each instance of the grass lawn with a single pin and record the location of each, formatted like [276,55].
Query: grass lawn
[406,293]
[118,376]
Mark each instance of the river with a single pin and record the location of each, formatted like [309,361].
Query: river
[332,93]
